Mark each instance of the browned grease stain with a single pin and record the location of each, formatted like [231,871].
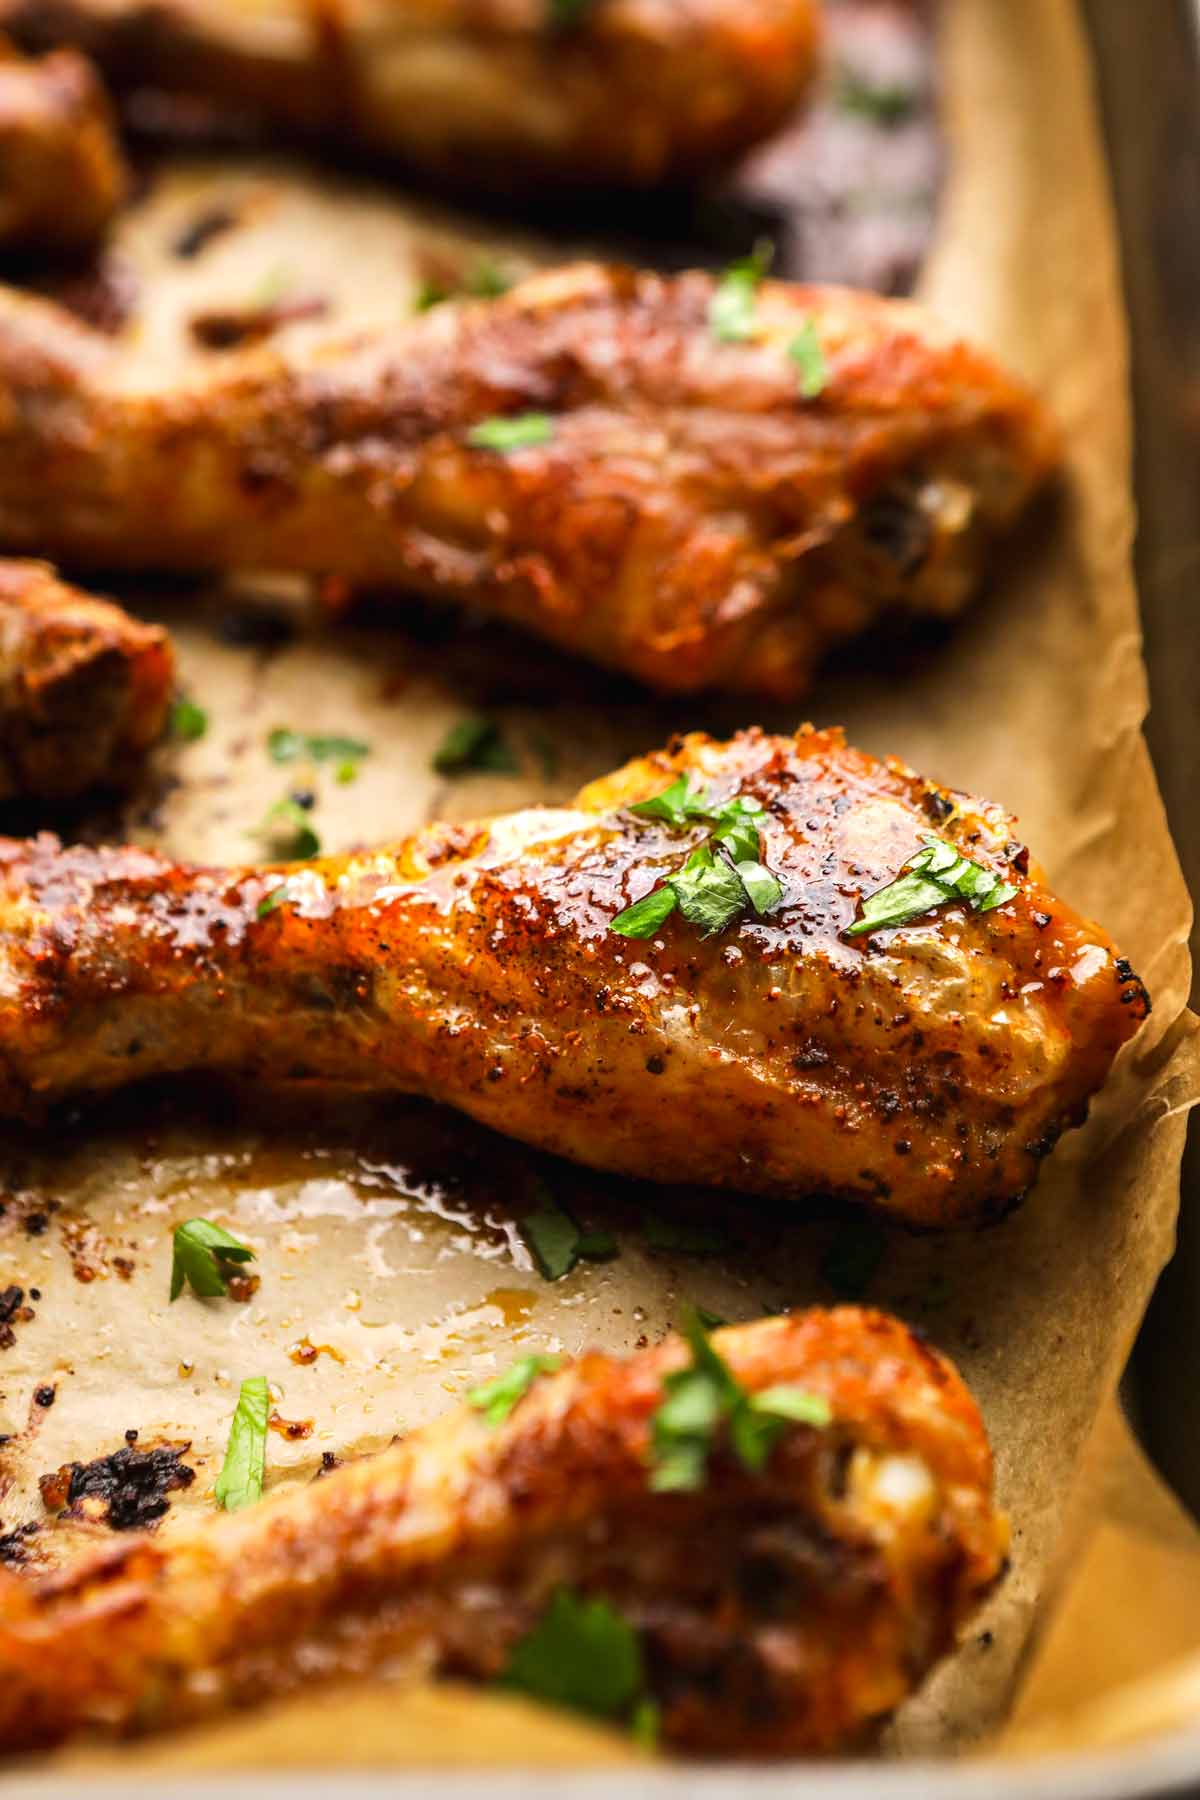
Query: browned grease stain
[515,1305]
[306,1352]
[87,1248]
[292,1429]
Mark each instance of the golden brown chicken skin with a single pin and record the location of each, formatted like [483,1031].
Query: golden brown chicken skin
[62,173]
[829,1581]
[677,507]
[925,1067]
[84,688]
[479,93]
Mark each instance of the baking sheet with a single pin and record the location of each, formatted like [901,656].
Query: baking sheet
[385,1234]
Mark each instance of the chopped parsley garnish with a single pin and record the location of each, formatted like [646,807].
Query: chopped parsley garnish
[720,879]
[524,431]
[201,1255]
[486,281]
[731,311]
[474,744]
[852,1258]
[565,15]
[583,1655]
[935,875]
[429,295]
[287,828]
[240,1482]
[188,721]
[295,746]
[688,1240]
[884,103]
[707,1396]
[806,352]
[496,1399]
[275,898]
[555,1241]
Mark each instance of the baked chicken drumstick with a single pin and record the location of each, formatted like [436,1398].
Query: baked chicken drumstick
[62,174]
[84,688]
[481,93]
[840,1554]
[586,457]
[836,977]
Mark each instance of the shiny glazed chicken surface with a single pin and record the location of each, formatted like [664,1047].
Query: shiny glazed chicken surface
[62,173]
[84,688]
[924,1067]
[831,1579]
[480,93]
[675,506]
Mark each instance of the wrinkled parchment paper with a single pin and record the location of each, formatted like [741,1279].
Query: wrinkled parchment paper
[385,1236]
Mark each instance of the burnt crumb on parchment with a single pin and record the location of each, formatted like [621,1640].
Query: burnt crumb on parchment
[126,1490]
[14,1545]
[13,1309]
[213,222]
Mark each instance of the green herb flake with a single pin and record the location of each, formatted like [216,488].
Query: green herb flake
[715,885]
[567,15]
[496,1399]
[732,314]
[270,902]
[475,744]
[643,918]
[806,352]
[201,1253]
[708,891]
[884,103]
[933,877]
[287,827]
[240,1482]
[555,1241]
[706,1396]
[764,889]
[286,746]
[189,722]
[524,431]
[487,281]
[582,1655]
[429,295]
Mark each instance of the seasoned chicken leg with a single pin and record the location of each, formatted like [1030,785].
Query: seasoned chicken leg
[84,688]
[925,1066]
[481,93]
[584,457]
[62,174]
[831,1578]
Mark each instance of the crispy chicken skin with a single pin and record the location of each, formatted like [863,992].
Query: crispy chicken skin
[84,688]
[692,518]
[479,93]
[828,1585]
[926,1068]
[62,174]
